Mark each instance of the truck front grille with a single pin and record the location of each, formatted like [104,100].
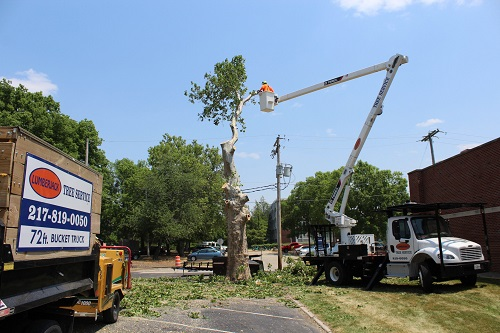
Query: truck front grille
[471,253]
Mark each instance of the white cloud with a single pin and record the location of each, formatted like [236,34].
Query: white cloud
[430,122]
[373,7]
[330,132]
[296,105]
[34,82]
[254,156]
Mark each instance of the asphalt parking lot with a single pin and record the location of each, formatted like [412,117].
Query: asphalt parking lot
[234,315]
[229,316]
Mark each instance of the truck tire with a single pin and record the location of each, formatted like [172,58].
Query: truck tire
[337,274]
[44,326]
[425,277]
[110,315]
[469,280]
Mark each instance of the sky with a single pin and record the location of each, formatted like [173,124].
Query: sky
[126,64]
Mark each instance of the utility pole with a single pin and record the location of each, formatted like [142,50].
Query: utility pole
[279,172]
[87,152]
[428,137]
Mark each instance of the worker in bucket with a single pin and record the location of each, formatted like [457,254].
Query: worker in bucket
[266,87]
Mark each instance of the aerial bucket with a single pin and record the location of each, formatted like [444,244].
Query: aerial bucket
[266,101]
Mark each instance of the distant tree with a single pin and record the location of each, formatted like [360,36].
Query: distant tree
[41,116]
[184,190]
[125,215]
[307,200]
[372,190]
[257,226]
[223,98]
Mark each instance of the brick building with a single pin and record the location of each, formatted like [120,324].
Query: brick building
[471,176]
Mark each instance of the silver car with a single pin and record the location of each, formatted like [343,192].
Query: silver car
[204,254]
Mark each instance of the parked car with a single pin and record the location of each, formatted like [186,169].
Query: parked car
[321,249]
[204,254]
[290,247]
[297,249]
[305,250]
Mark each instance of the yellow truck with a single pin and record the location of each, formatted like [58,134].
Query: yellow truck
[52,266]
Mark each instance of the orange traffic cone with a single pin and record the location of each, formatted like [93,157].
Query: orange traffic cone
[178,262]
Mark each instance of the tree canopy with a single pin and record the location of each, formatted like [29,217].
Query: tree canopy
[222,92]
[41,115]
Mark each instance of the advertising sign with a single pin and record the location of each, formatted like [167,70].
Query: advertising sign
[55,208]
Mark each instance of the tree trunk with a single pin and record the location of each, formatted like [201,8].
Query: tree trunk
[237,214]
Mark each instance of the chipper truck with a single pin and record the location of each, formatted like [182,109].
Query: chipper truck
[53,268]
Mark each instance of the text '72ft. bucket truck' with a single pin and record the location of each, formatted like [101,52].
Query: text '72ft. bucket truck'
[52,266]
[419,244]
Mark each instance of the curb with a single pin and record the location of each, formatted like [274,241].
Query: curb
[312,316]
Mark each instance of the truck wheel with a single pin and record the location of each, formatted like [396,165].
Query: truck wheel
[44,326]
[336,273]
[193,258]
[469,280]
[110,315]
[425,277]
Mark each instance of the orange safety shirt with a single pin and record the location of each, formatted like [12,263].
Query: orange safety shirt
[266,87]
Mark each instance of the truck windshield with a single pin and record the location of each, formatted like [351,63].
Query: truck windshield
[427,227]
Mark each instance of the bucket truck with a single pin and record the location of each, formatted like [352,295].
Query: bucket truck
[418,246]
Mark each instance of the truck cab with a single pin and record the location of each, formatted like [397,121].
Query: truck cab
[422,247]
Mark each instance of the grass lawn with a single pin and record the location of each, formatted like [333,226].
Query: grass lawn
[394,305]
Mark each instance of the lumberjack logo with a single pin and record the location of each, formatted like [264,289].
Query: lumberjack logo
[45,183]
[403,246]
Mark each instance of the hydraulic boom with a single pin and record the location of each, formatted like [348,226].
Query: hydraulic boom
[391,66]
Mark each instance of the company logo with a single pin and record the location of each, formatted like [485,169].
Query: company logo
[358,142]
[403,246]
[332,81]
[45,183]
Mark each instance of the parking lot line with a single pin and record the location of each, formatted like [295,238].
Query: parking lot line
[258,314]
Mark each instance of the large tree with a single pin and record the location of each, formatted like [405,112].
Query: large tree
[372,190]
[224,95]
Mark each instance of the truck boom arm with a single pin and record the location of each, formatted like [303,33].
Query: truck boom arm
[391,66]
[334,81]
